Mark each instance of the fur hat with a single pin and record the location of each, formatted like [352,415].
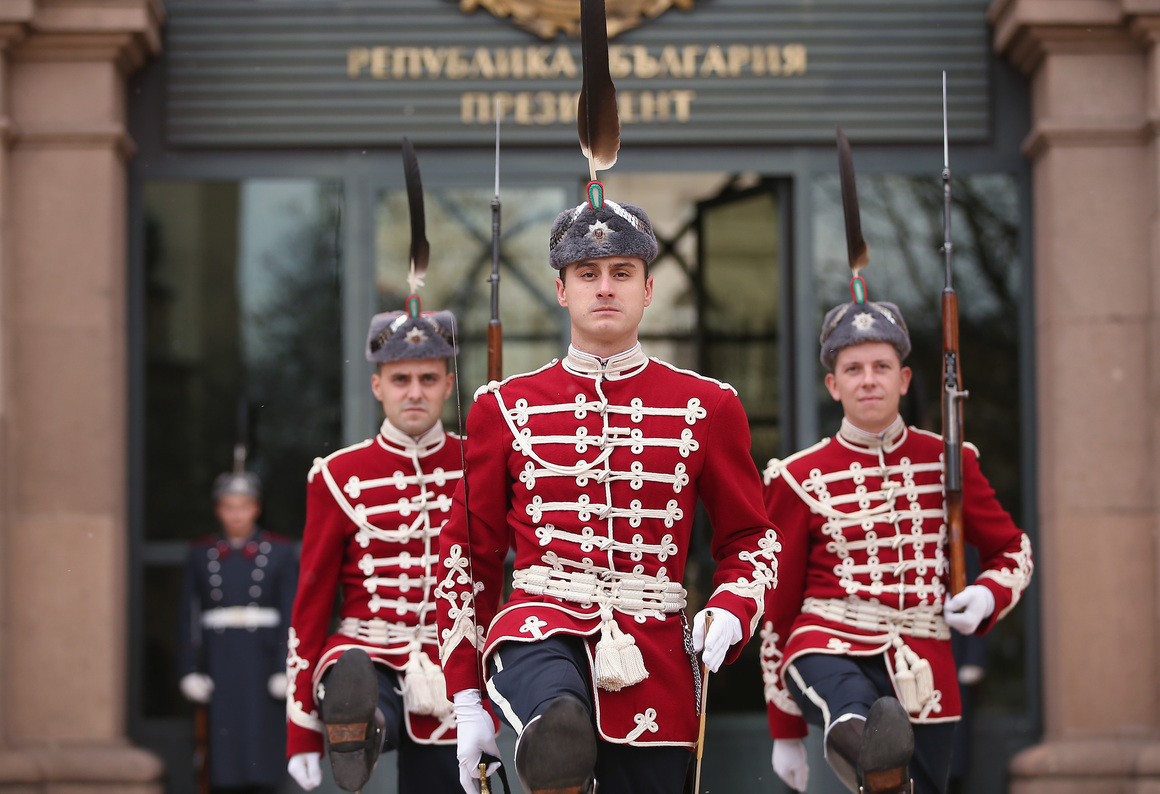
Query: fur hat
[394,336]
[244,483]
[582,233]
[852,324]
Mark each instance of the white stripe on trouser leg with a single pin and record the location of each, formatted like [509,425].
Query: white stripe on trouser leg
[820,702]
[500,700]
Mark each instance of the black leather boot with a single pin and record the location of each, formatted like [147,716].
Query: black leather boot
[843,744]
[887,746]
[556,753]
[354,724]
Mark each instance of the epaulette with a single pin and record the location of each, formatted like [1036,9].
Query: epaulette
[939,438]
[494,385]
[776,466]
[320,462]
[720,383]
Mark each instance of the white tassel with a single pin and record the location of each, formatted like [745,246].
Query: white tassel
[904,681]
[619,662]
[923,681]
[417,696]
[437,685]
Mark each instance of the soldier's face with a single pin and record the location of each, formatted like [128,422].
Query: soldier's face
[869,381]
[605,299]
[413,393]
[238,513]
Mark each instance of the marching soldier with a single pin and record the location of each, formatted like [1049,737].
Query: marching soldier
[374,512]
[236,597]
[591,468]
[857,636]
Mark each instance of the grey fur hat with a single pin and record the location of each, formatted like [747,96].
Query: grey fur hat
[394,336]
[852,324]
[582,233]
[244,483]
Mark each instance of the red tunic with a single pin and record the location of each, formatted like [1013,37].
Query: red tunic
[864,569]
[374,512]
[592,472]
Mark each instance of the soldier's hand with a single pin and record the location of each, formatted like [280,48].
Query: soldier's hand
[716,642]
[476,735]
[791,763]
[965,611]
[276,686]
[197,687]
[306,769]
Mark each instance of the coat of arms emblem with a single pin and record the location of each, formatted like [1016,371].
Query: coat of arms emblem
[548,18]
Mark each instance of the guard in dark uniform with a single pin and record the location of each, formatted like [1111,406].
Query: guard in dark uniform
[237,595]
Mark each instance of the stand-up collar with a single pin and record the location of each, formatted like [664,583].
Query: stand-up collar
[888,440]
[395,440]
[621,365]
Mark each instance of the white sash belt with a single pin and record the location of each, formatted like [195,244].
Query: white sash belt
[924,621]
[377,631]
[630,595]
[248,617]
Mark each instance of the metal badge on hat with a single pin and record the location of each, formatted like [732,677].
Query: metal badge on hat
[856,250]
[597,119]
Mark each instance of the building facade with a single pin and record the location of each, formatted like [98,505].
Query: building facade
[201,205]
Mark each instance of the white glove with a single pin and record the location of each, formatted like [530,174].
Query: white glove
[965,611]
[197,687]
[791,763]
[725,631]
[476,733]
[276,686]
[304,768]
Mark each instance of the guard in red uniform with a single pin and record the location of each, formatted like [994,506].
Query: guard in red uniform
[857,635]
[590,468]
[374,512]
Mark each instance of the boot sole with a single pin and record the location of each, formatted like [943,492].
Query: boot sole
[557,750]
[348,710]
[887,747]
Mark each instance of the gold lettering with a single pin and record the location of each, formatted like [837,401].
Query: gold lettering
[569,101]
[793,59]
[618,63]
[624,105]
[643,64]
[523,108]
[537,62]
[457,67]
[433,60]
[406,62]
[505,103]
[648,106]
[758,60]
[545,108]
[474,107]
[664,106]
[689,57]
[683,99]
[773,55]
[738,59]
[562,63]
[379,62]
[519,63]
[714,62]
[481,64]
[357,59]
[670,63]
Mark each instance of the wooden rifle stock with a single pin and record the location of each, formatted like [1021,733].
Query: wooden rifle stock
[952,416]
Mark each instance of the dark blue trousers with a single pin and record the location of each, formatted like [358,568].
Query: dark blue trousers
[526,676]
[850,685]
[423,768]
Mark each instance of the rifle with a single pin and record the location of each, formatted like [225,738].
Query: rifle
[952,387]
[494,327]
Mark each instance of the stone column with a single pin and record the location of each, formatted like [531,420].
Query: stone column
[63,381]
[1095,193]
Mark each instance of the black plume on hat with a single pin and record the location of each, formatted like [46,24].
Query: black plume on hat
[853,323]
